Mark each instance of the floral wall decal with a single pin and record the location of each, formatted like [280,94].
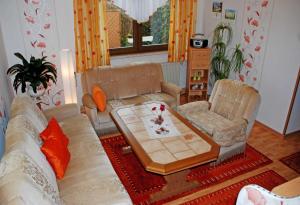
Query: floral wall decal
[257,18]
[41,39]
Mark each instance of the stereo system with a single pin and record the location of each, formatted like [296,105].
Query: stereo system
[198,41]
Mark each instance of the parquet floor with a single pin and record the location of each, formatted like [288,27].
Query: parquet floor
[273,146]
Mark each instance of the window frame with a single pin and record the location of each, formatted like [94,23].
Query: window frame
[137,44]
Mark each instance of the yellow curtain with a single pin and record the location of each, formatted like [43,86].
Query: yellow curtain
[182,23]
[91,38]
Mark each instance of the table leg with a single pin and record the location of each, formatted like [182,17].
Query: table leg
[176,183]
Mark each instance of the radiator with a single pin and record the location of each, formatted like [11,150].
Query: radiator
[175,73]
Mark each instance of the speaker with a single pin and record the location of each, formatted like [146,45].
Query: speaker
[198,43]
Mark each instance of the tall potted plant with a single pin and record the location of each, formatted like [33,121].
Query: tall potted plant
[224,59]
[32,75]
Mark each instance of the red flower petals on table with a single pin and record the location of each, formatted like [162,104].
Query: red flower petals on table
[162,107]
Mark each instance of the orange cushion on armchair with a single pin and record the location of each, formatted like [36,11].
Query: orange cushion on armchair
[99,98]
[57,155]
[53,130]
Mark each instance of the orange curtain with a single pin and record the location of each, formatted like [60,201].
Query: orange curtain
[91,38]
[182,23]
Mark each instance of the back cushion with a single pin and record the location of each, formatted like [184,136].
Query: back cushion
[20,127]
[27,141]
[126,81]
[231,98]
[24,105]
[23,178]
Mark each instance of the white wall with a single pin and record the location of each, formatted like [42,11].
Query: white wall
[294,122]
[281,64]
[211,20]
[19,34]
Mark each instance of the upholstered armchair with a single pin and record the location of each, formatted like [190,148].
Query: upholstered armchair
[227,117]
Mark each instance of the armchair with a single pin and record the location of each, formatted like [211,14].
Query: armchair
[227,117]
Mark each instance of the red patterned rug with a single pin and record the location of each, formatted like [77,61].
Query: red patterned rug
[228,195]
[140,184]
[292,161]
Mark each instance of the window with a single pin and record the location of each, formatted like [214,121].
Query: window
[126,36]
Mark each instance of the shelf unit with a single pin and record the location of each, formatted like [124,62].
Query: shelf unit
[198,73]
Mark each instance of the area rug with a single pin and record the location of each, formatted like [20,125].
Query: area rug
[140,184]
[292,161]
[228,195]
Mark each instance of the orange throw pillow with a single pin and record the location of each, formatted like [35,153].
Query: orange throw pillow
[99,98]
[57,155]
[53,130]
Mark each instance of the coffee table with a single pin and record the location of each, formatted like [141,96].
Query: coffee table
[169,152]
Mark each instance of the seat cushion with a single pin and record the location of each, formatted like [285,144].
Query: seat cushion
[223,131]
[90,177]
[168,99]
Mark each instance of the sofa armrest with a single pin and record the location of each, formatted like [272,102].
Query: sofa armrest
[288,189]
[228,136]
[172,90]
[90,109]
[193,107]
[62,112]
[88,101]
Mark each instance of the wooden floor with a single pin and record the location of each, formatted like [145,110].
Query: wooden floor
[273,146]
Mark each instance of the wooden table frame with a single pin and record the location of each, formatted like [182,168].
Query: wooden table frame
[166,169]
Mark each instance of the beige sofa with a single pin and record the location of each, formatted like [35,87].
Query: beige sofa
[227,117]
[26,176]
[125,85]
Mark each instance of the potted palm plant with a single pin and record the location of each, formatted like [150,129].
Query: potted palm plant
[33,75]
[224,59]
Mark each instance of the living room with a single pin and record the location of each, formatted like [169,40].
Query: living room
[112,64]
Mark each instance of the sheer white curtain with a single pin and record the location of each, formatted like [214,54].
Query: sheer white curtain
[139,10]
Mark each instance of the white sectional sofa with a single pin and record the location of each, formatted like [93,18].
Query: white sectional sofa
[26,177]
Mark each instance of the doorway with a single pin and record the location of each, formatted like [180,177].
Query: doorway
[292,124]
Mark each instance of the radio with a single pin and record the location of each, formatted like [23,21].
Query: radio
[198,41]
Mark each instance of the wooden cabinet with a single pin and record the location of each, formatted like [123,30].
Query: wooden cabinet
[198,73]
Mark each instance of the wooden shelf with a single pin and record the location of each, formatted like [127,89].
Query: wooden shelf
[198,65]
[198,81]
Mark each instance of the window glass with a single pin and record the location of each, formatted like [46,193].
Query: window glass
[156,30]
[119,27]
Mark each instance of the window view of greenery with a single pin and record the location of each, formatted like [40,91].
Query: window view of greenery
[156,30]
[121,28]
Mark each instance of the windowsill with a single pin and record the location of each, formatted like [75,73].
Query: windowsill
[149,57]
[138,54]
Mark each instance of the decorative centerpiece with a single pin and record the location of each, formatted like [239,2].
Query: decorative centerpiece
[159,119]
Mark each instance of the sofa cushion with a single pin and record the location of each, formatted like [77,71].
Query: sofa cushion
[22,178]
[224,132]
[234,99]
[99,98]
[24,105]
[90,177]
[126,81]
[163,97]
[57,154]
[53,131]
[19,127]
[23,140]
